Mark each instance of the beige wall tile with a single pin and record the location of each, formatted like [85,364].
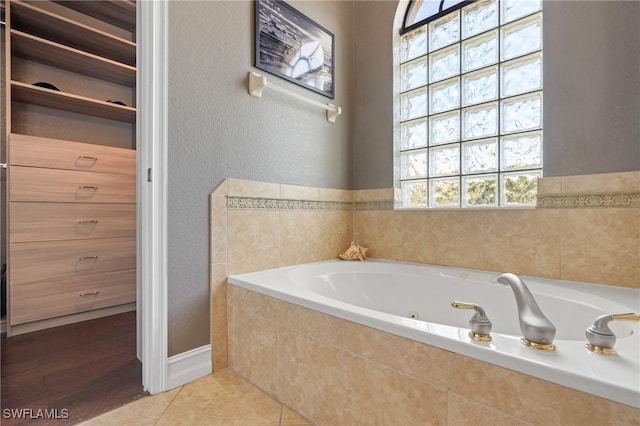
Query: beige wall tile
[531,399]
[522,241]
[602,183]
[337,226]
[454,238]
[424,362]
[253,240]
[250,188]
[381,194]
[379,395]
[298,192]
[365,230]
[601,245]
[309,236]
[464,411]
[549,185]
[310,322]
[311,377]
[218,293]
[218,226]
[337,195]
[300,237]
[253,302]
[400,235]
[231,349]
[253,348]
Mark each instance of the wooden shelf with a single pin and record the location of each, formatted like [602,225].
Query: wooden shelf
[119,13]
[35,95]
[57,55]
[42,23]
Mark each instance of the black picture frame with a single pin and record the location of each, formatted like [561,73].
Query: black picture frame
[291,45]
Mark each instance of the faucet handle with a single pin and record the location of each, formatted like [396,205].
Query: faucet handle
[479,323]
[601,338]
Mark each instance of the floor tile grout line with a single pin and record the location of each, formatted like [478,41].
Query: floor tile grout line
[168,405]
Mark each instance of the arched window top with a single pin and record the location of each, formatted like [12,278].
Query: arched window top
[419,12]
[469,104]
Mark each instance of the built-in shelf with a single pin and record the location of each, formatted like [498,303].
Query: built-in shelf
[35,95]
[33,20]
[119,13]
[34,48]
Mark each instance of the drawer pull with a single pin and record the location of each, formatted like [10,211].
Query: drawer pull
[90,293]
[88,221]
[88,257]
[86,157]
[88,187]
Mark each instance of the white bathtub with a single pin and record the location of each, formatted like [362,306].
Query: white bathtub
[413,301]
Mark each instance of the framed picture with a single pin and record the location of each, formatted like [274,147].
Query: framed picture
[292,46]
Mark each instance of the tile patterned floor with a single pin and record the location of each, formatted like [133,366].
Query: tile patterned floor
[222,398]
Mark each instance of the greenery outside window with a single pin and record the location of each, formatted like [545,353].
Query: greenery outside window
[470,122]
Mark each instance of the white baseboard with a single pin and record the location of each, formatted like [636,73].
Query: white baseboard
[3,325]
[188,366]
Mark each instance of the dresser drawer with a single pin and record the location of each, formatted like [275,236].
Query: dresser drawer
[54,260]
[66,186]
[57,154]
[70,221]
[50,299]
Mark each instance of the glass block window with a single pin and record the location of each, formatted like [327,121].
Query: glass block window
[470,122]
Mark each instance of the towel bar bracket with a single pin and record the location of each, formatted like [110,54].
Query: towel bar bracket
[258,82]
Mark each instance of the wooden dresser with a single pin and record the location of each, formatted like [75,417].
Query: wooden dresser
[72,230]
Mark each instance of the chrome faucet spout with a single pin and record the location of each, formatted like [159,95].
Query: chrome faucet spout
[536,329]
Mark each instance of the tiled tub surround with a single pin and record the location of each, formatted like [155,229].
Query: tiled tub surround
[256,226]
[334,371]
[591,244]
[413,300]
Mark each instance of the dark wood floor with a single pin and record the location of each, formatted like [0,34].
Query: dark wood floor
[81,369]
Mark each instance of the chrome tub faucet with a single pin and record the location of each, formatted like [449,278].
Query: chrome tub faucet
[538,332]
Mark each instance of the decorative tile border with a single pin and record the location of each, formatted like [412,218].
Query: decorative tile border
[544,201]
[375,205]
[589,201]
[250,203]
[247,203]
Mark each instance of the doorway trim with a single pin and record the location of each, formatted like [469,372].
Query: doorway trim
[152,94]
